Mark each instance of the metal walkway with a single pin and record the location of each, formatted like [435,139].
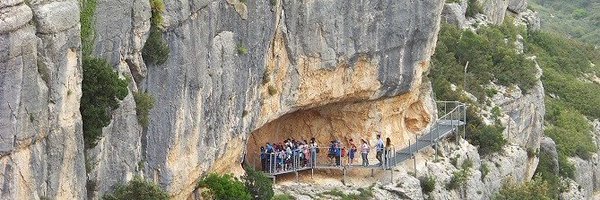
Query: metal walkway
[453,117]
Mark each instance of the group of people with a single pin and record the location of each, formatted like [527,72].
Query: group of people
[288,154]
[294,154]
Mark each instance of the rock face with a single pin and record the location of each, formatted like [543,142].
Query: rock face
[210,96]
[587,173]
[40,124]
[304,59]
[454,13]
[548,148]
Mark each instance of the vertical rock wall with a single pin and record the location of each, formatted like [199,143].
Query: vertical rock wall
[40,126]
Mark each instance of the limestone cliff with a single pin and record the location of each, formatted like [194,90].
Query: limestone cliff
[326,69]
[40,125]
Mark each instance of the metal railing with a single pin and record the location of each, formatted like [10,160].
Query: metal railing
[281,161]
[451,115]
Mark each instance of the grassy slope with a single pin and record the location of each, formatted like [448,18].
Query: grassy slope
[579,19]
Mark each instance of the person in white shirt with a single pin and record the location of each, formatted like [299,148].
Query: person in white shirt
[365,152]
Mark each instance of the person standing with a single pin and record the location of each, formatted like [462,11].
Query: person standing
[388,151]
[338,153]
[351,152]
[313,152]
[379,148]
[365,152]
[263,159]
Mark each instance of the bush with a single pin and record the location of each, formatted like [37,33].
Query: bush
[459,179]
[137,189]
[570,130]
[283,197]
[363,195]
[156,50]
[485,170]
[157,8]
[241,49]
[488,139]
[467,164]
[427,184]
[225,187]
[143,103]
[260,186]
[88,8]
[473,8]
[102,89]
[536,189]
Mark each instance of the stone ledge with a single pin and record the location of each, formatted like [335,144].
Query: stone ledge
[56,17]
[12,18]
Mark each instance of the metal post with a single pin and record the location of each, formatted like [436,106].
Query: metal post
[436,151]
[415,154]
[271,163]
[465,120]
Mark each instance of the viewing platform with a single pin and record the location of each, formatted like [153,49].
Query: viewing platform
[451,119]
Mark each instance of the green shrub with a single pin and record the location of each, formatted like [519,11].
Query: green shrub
[459,179]
[156,50]
[137,189]
[225,187]
[157,8]
[272,90]
[485,170]
[143,103]
[241,49]
[545,172]
[259,185]
[491,60]
[467,164]
[86,17]
[283,197]
[570,130]
[427,184]
[535,189]
[488,138]
[364,194]
[101,91]
[473,8]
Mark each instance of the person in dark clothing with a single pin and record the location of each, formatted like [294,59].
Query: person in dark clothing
[263,158]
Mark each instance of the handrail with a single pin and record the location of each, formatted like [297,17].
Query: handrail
[299,160]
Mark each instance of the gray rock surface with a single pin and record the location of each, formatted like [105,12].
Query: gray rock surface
[587,172]
[40,126]
[206,85]
[57,16]
[517,6]
[495,10]
[210,95]
[529,18]
[454,13]
[548,148]
[118,156]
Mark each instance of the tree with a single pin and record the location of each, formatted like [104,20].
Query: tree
[137,189]
[102,89]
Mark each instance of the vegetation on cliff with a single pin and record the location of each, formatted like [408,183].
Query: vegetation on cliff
[155,50]
[578,19]
[492,58]
[253,185]
[102,89]
[137,189]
